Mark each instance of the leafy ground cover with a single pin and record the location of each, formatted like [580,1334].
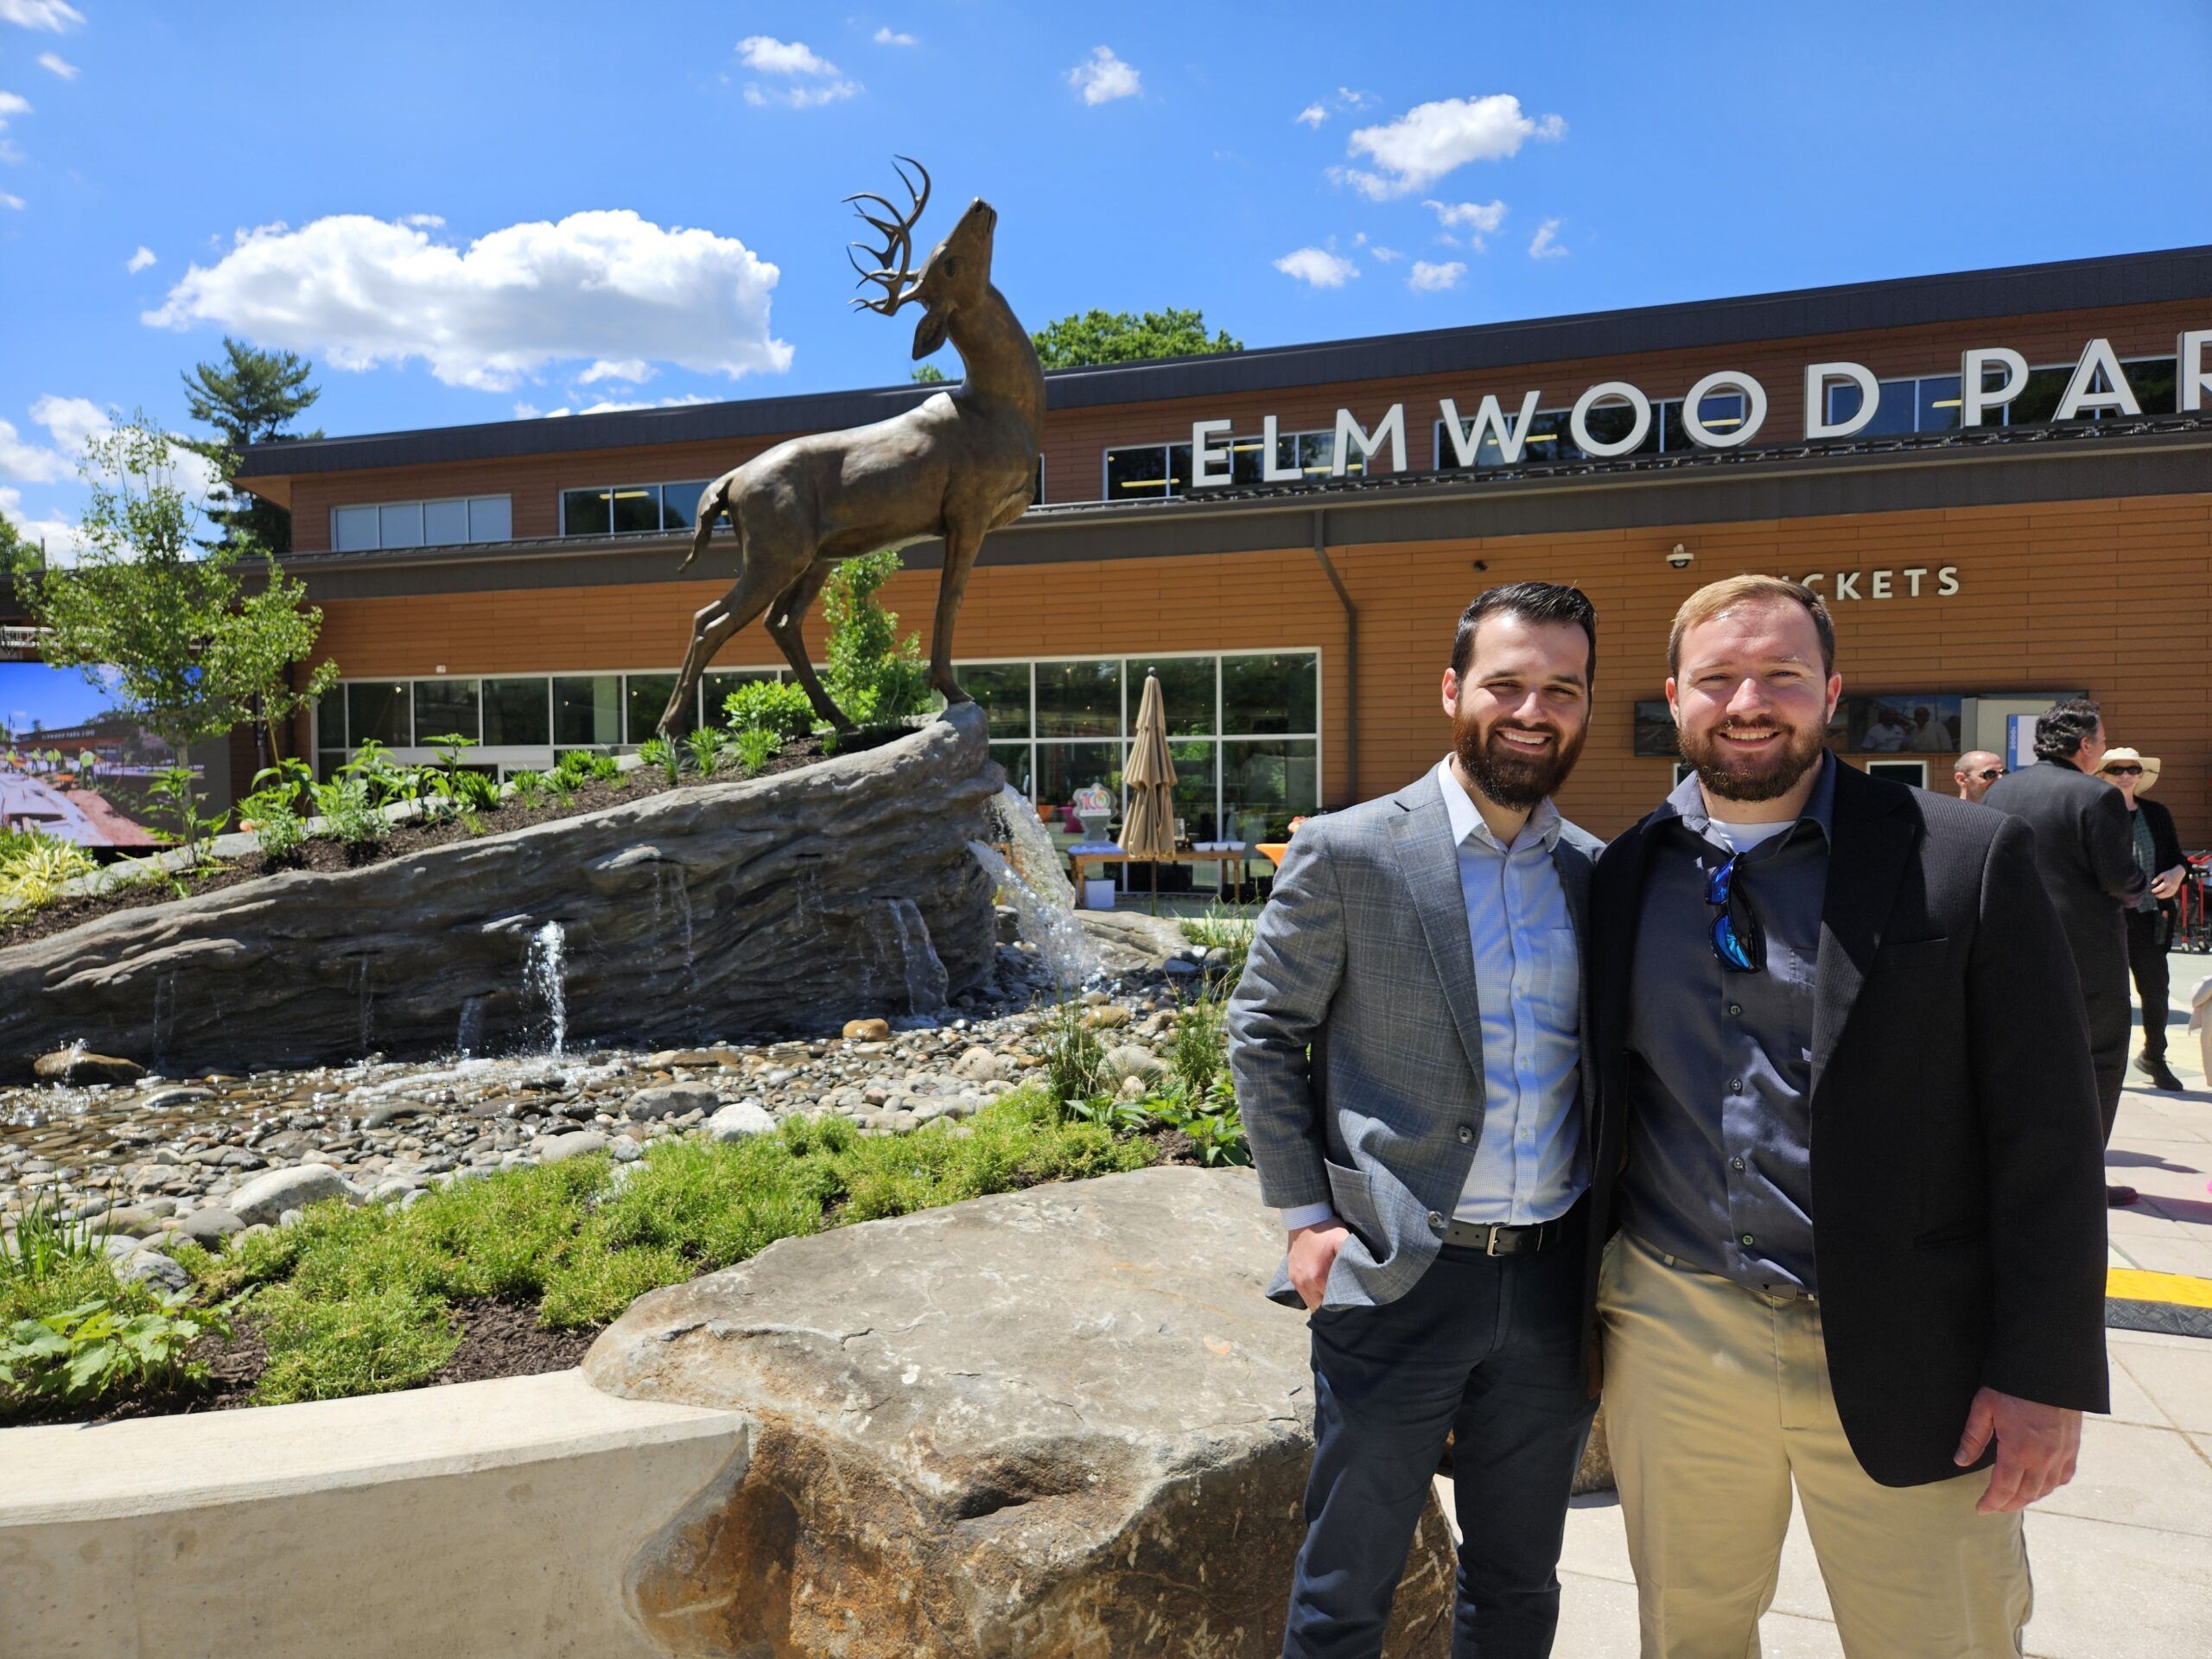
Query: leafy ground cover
[354,1301]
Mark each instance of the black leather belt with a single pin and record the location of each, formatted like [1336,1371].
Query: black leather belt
[1504,1241]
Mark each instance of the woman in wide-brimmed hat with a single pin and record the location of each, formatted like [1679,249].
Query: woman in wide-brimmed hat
[2158,849]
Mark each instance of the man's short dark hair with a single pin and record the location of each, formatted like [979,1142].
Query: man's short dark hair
[1532,601]
[2059,734]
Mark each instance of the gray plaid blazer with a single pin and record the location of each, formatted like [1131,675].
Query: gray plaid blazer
[1361,956]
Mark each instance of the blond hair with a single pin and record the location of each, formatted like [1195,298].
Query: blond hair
[1714,598]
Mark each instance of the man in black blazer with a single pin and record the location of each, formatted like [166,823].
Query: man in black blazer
[1846,1078]
[2085,851]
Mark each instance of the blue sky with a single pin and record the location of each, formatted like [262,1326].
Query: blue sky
[51,697]
[466,212]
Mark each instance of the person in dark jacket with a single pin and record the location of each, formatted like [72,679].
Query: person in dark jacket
[2151,919]
[2086,854]
[1845,1077]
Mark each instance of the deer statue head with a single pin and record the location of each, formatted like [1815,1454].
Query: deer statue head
[956,277]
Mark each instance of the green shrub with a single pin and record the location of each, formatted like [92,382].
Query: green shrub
[756,748]
[36,873]
[875,677]
[659,752]
[529,787]
[706,744]
[581,767]
[778,705]
[352,1300]
[349,813]
[1198,1058]
[369,1342]
[1075,1059]
[97,1351]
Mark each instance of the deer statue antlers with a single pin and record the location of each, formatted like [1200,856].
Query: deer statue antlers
[954,466]
[898,233]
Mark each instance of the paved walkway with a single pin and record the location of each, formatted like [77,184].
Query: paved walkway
[2123,1556]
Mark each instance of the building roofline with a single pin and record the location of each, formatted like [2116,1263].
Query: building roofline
[2180,435]
[2065,285]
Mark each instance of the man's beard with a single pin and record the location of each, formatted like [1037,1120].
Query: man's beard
[1516,778]
[1752,778]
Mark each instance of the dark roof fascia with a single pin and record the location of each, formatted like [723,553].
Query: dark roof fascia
[2176,438]
[2018,290]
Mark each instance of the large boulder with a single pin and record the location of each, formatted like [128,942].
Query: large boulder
[801,898]
[1057,1424]
[266,1197]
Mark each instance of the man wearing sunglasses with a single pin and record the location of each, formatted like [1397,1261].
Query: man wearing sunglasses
[1862,1239]
[1976,770]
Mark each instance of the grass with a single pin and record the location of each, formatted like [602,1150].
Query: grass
[360,1301]
[1222,927]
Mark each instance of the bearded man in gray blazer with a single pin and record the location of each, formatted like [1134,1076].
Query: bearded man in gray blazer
[1407,1041]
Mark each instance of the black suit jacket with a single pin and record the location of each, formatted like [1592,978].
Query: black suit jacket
[1957,1155]
[2085,848]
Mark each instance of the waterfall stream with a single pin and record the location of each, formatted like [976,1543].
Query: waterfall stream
[544,975]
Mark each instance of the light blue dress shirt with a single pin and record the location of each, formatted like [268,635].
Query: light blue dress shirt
[1528,1166]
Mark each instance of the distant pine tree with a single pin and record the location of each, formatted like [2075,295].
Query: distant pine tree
[250,399]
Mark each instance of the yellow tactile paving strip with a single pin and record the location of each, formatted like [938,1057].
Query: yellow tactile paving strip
[2133,1285]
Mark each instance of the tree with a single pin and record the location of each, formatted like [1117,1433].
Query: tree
[250,400]
[928,373]
[17,556]
[168,629]
[1123,337]
[874,675]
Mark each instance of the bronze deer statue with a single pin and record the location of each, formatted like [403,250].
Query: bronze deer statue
[957,466]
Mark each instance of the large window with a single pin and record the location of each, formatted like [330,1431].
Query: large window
[1244,727]
[449,523]
[1550,439]
[1930,403]
[631,509]
[1243,731]
[1150,471]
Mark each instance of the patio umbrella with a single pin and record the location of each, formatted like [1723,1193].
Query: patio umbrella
[1148,830]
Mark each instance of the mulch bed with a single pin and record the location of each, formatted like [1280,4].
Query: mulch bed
[404,838]
[497,1339]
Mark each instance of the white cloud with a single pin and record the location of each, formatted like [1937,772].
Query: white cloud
[7,201]
[527,411]
[55,64]
[773,57]
[1425,278]
[1318,267]
[633,368]
[1102,77]
[1545,245]
[1352,100]
[55,15]
[359,292]
[70,422]
[1478,218]
[889,36]
[425,221]
[1430,140]
[12,104]
[810,97]
[756,97]
[140,260]
[1385,255]
[1312,115]
[58,536]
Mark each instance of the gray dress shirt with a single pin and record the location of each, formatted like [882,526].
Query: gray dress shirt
[1721,1063]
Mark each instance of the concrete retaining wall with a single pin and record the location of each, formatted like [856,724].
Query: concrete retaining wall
[491,1519]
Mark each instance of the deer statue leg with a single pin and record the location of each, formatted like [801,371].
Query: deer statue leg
[961,544]
[750,595]
[783,624]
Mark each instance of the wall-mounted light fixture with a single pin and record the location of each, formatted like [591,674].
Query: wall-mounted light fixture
[1681,557]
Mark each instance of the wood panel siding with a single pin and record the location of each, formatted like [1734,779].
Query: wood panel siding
[2112,596]
[1076,440]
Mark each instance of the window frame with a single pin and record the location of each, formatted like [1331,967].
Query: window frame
[659,489]
[421,505]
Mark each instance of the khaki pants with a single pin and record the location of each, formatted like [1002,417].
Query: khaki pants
[1716,1399]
